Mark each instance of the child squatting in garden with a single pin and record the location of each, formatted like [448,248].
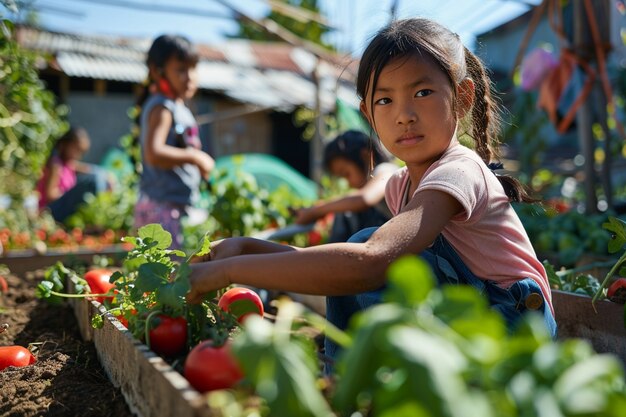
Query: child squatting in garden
[420,89]
[353,156]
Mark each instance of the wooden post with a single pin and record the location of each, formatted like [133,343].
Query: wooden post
[317,145]
[584,120]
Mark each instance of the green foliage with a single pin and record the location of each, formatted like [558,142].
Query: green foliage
[432,351]
[30,119]
[112,209]
[566,235]
[310,31]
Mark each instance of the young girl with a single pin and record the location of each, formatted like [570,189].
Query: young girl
[172,159]
[349,156]
[419,86]
[61,187]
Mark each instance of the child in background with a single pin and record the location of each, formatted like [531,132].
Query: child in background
[420,88]
[172,159]
[349,156]
[66,180]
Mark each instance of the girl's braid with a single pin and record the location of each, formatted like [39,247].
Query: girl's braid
[484,113]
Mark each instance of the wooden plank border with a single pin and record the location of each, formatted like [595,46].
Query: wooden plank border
[603,327]
[150,386]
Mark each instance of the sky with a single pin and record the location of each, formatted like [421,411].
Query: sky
[207,21]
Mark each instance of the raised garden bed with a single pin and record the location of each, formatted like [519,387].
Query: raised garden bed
[150,386]
[603,327]
[20,262]
[67,379]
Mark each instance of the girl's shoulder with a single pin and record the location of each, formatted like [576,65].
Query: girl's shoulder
[158,100]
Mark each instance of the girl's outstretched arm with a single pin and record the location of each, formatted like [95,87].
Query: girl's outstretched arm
[235,246]
[338,268]
[358,200]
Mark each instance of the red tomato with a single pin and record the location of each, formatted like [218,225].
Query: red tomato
[4,287]
[241,302]
[169,337]
[98,280]
[617,291]
[209,368]
[15,356]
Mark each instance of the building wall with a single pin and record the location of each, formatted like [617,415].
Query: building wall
[104,117]
[247,133]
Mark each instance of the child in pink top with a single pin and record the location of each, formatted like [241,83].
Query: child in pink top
[59,190]
[420,90]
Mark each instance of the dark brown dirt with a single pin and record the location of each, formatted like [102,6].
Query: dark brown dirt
[67,379]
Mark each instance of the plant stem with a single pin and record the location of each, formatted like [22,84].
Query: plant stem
[64,294]
[606,279]
[147,326]
[330,330]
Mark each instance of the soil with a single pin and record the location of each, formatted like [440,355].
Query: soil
[67,379]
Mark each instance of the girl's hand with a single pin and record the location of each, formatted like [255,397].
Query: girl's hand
[204,162]
[205,277]
[306,216]
[221,249]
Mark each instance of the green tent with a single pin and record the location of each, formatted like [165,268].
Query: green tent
[270,173]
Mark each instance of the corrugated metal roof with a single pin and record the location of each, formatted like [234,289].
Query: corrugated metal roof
[265,74]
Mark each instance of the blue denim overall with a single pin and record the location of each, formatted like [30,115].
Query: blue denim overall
[449,269]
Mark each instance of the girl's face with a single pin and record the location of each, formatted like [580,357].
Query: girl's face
[74,151]
[412,112]
[351,172]
[182,77]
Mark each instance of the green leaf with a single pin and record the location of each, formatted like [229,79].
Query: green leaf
[97,322]
[151,275]
[410,280]
[172,294]
[553,278]
[282,373]
[618,237]
[205,247]
[43,289]
[239,308]
[157,234]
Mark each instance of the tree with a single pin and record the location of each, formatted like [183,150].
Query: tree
[310,30]
[29,117]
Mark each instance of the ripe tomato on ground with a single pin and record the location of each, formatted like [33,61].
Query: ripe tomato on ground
[169,337]
[241,302]
[210,368]
[98,280]
[4,287]
[15,356]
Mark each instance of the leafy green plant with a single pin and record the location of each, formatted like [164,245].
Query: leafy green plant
[30,119]
[106,210]
[429,351]
[152,284]
[617,243]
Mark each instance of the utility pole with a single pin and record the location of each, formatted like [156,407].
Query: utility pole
[584,114]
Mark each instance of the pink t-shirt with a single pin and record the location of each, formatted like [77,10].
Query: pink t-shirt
[66,182]
[488,235]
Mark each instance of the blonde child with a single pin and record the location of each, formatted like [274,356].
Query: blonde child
[419,86]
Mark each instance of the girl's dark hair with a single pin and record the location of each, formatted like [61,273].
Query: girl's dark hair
[350,145]
[162,49]
[73,134]
[426,38]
